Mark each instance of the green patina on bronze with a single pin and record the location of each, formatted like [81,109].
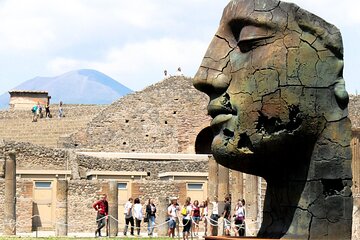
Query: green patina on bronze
[273,72]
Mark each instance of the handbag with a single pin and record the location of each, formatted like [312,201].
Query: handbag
[146,218]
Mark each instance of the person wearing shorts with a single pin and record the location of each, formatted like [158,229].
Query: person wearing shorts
[187,219]
[173,215]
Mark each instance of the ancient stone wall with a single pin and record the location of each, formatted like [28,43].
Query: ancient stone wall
[33,157]
[354,111]
[163,118]
[2,203]
[24,205]
[81,195]
[18,125]
[87,163]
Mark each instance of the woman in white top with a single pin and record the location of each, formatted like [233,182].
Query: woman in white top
[214,215]
[204,214]
[239,218]
[138,214]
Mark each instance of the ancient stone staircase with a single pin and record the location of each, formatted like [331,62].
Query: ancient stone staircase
[18,125]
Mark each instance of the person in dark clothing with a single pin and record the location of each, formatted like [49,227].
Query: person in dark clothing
[102,208]
[227,215]
[150,215]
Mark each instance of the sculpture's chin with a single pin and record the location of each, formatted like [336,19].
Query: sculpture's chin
[230,156]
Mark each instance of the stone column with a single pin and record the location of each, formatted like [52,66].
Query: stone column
[61,211]
[237,187]
[161,211]
[212,191]
[355,187]
[113,209]
[10,195]
[223,183]
[213,178]
[251,204]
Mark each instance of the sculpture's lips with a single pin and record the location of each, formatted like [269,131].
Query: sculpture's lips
[220,119]
[220,114]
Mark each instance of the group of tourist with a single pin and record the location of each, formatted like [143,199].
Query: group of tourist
[37,111]
[193,213]
[177,73]
[187,216]
[134,210]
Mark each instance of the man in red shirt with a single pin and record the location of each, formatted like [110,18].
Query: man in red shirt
[102,208]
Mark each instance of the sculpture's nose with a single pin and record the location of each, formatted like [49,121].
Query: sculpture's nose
[211,76]
[210,81]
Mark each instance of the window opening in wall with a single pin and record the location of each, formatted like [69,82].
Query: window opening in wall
[195,186]
[42,184]
[122,186]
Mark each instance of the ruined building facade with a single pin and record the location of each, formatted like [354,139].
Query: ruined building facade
[150,144]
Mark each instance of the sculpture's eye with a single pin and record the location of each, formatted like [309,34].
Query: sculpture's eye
[249,37]
[250,44]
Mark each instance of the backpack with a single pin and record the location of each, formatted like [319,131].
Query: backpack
[33,109]
[183,211]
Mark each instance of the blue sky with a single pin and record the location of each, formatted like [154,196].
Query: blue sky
[132,41]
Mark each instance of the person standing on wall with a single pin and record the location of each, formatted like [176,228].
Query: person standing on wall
[128,212]
[61,111]
[47,110]
[102,208]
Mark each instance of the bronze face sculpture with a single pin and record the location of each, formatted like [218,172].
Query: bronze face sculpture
[273,72]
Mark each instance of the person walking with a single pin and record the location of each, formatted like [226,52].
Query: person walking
[150,214]
[102,208]
[128,212]
[138,214]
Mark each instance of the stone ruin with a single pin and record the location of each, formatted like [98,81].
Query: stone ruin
[273,72]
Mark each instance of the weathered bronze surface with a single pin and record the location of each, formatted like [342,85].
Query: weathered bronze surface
[273,72]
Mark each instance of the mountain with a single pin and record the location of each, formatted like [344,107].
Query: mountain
[85,86]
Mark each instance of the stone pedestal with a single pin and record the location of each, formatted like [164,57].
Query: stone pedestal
[10,195]
[61,213]
[113,209]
